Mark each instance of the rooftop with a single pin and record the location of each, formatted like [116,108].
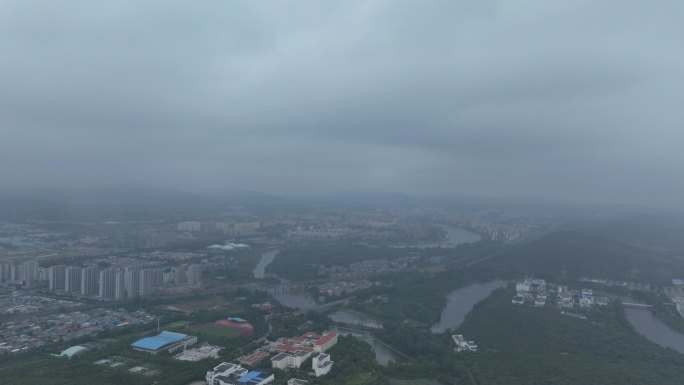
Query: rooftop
[326,338]
[74,350]
[254,377]
[280,356]
[159,341]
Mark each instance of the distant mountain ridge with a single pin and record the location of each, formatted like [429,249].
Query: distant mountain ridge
[663,231]
[140,202]
[113,202]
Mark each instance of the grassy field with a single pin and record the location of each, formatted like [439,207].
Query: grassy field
[206,304]
[418,381]
[45,369]
[211,330]
[360,378]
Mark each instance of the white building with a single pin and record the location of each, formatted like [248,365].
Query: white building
[462,345]
[28,271]
[530,285]
[72,283]
[89,280]
[228,373]
[191,226]
[146,286]
[132,281]
[194,275]
[321,364]
[120,285]
[107,283]
[523,287]
[180,275]
[168,277]
[679,302]
[57,277]
[290,361]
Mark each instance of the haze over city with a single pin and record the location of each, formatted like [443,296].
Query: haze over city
[342,192]
[577,101]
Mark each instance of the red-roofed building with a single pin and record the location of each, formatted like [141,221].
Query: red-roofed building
[307,342]
[326,342]
[254,358]
[292,348]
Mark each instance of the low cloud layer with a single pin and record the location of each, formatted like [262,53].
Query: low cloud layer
[570,100]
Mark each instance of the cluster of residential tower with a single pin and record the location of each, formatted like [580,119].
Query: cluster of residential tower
[109,283]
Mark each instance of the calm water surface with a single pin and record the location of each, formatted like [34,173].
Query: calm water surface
[461,301]
[349,318]
[654,329]
[457,236]
[291,298]
[266,259]
[383,355]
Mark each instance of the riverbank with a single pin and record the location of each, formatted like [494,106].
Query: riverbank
[266,259]
[461,301]
[384,353]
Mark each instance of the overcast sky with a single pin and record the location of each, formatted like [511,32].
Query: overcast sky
[576,100]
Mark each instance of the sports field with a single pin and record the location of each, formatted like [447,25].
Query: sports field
[214,330]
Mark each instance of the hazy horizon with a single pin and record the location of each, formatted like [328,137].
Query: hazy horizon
[576,101]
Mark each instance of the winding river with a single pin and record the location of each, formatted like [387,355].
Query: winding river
[455,236]
[354,319]
[461,301]
[655,330]
[265,260]
[284,293]
[383,354]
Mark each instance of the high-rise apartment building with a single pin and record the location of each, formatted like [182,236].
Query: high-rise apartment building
[72,283]
[191,226]
[168,277]
[28,271]
[5,272]
[107,283]
[180,275]
[194,275]
[120,286]
[89,280]
[132,281]
[57,277]
[146,282]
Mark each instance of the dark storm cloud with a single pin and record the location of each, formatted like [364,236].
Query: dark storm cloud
[575,100]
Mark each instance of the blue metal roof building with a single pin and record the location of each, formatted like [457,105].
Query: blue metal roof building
[159,341]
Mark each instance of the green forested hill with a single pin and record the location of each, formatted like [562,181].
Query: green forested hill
[527,345]
[578,254]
